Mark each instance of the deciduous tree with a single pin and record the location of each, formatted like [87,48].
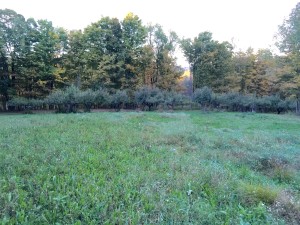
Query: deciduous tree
[210,61]
[289,43]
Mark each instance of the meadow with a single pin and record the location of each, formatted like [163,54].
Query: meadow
[150,168]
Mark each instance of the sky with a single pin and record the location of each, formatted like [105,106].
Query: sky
[244,23]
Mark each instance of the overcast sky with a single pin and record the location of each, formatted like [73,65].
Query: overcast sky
[245,22]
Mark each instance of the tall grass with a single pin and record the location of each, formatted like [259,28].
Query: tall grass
[149,168]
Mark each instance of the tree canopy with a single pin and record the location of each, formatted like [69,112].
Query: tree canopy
[37,59]
[210,60]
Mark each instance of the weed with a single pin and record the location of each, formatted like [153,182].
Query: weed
[257,193]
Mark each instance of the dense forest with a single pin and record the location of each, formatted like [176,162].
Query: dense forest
[113,62]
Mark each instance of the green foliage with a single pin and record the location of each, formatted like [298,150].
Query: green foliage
[148,97]
[104,54]
[162,71]
[20,103]
[31,53]
[102,97]
[71,94]
[257,215]
[37,59]
[66,100]
[172,99]
[289,43]
[272,104]
[88,99]
[203,96]
[210,61]
[234,101]
[12,30]
[254,73]
[75,60]
[134,36]
[71,99]
[119,99]
[289,31]
[257,193]
[56,98]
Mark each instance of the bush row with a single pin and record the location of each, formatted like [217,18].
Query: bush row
[234,101]
[71,99]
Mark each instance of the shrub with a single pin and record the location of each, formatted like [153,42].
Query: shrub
[172,99]
[266,103]
[102,97]
[248,103]
[291,104]
[231,101]
[119,99]
[272,103]
[21,103]
[71,98]
[55,98]
[148,97]
[235,101]
[130,104]
[66,100]
[203,96]
[87,98]
[282,106]
[36,103]
[18,103]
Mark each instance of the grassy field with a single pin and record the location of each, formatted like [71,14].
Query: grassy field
[150,168]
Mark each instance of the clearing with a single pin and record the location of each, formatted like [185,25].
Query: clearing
[150,168]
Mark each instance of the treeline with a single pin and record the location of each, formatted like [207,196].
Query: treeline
[72,100]
[260,73]
[38,61]
[37,58]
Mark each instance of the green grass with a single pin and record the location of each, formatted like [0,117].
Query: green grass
[150,168]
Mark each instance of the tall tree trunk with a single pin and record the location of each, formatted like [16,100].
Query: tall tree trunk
[4,103]
[78,77]
[298,106]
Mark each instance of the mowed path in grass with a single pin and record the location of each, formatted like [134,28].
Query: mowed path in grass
[150,168]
